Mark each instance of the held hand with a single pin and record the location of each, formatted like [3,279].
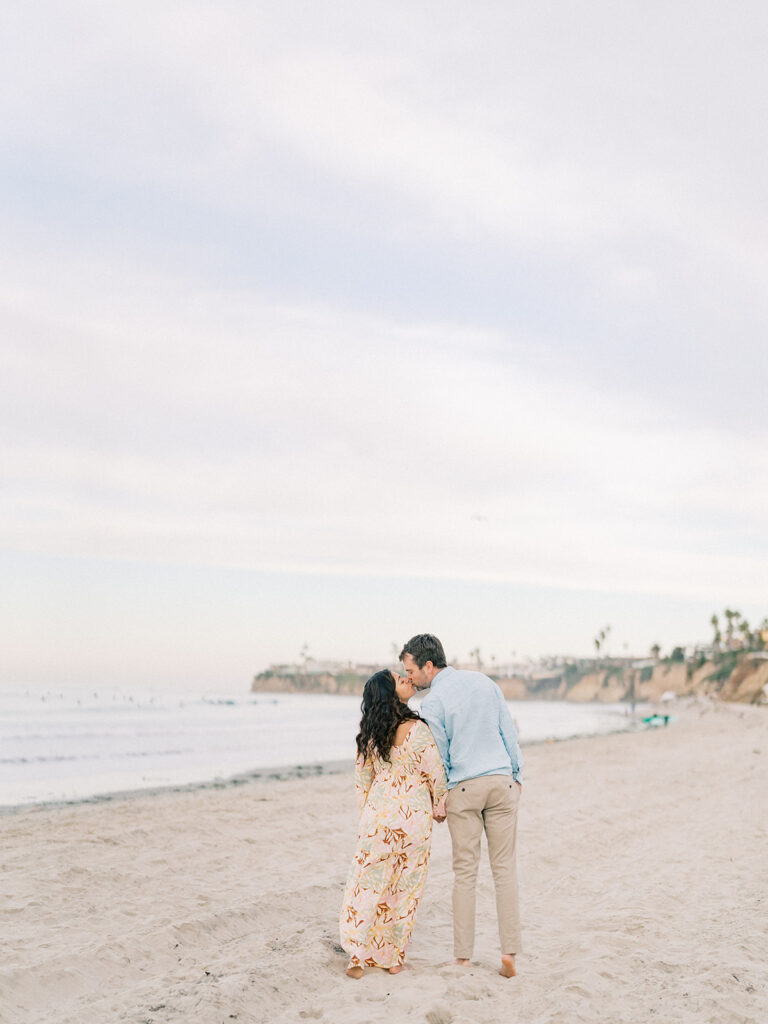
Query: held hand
[438,812]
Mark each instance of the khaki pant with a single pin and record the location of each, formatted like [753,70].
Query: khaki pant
[489,802]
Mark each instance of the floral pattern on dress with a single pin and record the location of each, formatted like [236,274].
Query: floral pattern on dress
[389,869]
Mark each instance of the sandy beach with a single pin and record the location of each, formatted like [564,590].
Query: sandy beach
[643,866]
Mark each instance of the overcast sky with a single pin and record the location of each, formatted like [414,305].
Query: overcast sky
[328,323]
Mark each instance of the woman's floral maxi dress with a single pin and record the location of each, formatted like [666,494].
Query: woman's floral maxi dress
[389,869]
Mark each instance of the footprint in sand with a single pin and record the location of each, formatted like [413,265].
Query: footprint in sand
[439,1015]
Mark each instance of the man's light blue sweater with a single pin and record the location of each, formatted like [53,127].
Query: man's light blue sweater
[472,726]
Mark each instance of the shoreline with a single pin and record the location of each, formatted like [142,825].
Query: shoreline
[277,774]
[280,773]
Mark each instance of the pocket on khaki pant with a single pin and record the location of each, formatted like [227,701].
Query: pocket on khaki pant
[514,795]
[457,798]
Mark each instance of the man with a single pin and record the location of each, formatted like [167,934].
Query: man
[477,740]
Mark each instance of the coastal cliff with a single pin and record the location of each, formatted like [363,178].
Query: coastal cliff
[739,677]
[743,680]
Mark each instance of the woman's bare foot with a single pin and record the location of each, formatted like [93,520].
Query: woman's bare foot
[396,969]
[462,962]
[508,966]
[354,972]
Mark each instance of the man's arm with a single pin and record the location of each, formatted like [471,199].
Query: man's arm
[509,735]
[433,713]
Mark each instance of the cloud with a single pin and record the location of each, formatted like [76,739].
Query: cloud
[578,182]
[220,429]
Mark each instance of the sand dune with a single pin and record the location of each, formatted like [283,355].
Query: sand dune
[643,875]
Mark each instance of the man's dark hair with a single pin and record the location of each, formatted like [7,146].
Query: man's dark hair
[424,648]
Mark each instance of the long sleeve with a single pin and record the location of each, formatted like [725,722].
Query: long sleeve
[363,779]
[432,712]
[509,736]
[430,762]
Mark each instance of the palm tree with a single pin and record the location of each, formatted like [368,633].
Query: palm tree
[601,640]
[731,616]
[655,652]
[746,634]
[605,634]
[717,637]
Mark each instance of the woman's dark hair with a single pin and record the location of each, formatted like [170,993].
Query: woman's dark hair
[382,711]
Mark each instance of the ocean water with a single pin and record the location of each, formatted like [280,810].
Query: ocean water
[71,744]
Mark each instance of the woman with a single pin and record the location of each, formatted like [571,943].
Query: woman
[400,780]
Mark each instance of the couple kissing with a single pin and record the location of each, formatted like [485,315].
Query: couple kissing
[457,759]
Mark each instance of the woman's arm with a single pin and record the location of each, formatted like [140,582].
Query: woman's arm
[430,762]
[363,779]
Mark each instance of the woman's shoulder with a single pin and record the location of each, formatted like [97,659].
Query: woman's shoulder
[403,732]
[421,733]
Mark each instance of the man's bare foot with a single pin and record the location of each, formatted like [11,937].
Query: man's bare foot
[508,966]
[354,972]
[462,962]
